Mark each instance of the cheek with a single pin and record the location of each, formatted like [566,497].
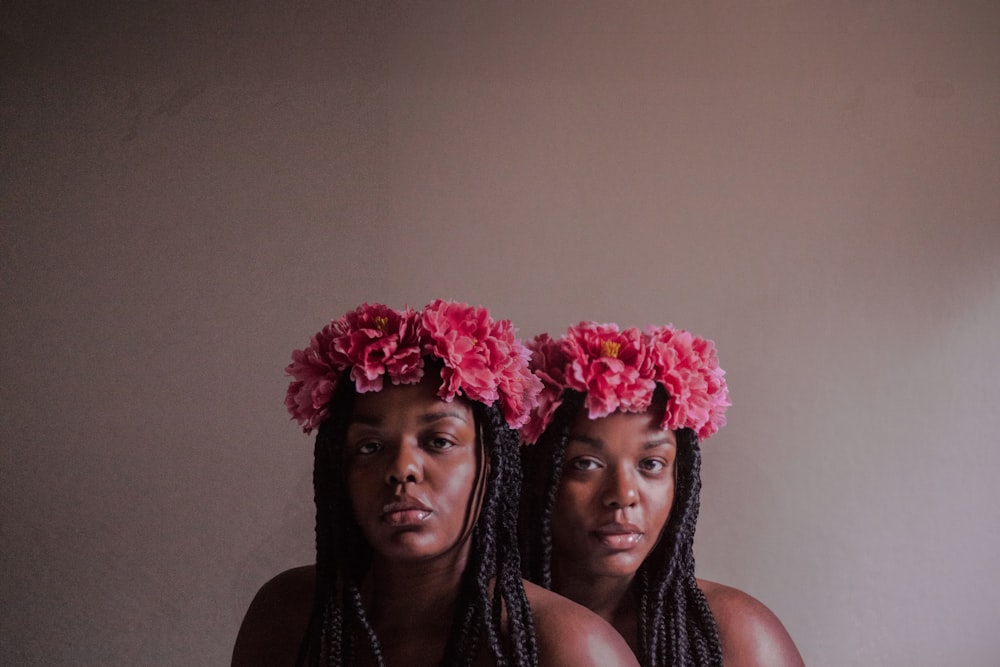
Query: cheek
[459,482]
[349,472]
[360,481]
[664,505]
[355,487]
[572,502]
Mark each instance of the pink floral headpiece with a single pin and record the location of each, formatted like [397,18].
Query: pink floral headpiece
[619,370]
[481,359]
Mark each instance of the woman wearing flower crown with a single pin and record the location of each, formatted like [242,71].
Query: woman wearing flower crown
[417,479]
[612,486]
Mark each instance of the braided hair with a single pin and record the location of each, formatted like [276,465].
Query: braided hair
[491,586]
[676,626]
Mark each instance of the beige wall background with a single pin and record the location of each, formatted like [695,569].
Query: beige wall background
[189,190]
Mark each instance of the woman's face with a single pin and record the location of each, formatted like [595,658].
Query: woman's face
[614,497]
[412,462]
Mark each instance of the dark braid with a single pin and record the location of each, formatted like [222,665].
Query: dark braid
[542,465]
[670,569]
[491,584]
[675,625]
[506,479]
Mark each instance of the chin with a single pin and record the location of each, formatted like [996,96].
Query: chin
[618,565]
[405,546]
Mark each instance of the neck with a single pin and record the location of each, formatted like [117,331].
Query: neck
[610,597]
[401,596]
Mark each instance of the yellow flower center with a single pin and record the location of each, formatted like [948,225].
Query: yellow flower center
[609,348]
[381,322]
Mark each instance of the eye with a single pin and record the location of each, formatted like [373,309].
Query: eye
[653,465]
[440,443]
[368,447]
[583,463]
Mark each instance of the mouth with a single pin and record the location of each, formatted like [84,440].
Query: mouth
[404,512]
[618,536]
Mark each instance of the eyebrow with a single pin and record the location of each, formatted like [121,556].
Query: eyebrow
[426,418]
[598,443]
[442,414]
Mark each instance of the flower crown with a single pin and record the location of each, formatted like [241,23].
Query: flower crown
[620,370]
[481,359]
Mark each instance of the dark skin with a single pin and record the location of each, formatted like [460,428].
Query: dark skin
[277,619]
[752,636]
[615,497]
[415,470]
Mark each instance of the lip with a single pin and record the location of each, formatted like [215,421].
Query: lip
[618,536]
[404,512]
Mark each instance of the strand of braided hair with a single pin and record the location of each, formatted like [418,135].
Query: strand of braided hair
[491,585]
[676,626]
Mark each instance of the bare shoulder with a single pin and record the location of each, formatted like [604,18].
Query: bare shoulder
[277,620]
[570,634]
[751,634]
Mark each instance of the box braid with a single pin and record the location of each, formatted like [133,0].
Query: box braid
[676,626]
[491,585]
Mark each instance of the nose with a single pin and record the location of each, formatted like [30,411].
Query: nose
[405,466]
[620,492]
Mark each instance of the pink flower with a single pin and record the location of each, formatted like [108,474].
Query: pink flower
[548,364]
[519,390]
[311,369]
[480,358]
[377,340]
[688,368]
[619,371]
[372,340]
[610,366]
[460,337]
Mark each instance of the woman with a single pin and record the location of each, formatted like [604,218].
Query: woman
[613,486]
[416,485]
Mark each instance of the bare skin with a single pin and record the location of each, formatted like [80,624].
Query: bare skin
[614,500]
[277,619]
[751,634]
[278,616]
[414,470]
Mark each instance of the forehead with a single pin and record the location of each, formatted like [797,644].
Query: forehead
[623,426]
[396,403]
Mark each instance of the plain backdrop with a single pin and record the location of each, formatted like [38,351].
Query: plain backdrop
[191,189]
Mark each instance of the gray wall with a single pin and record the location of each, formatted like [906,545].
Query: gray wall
[189,190]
